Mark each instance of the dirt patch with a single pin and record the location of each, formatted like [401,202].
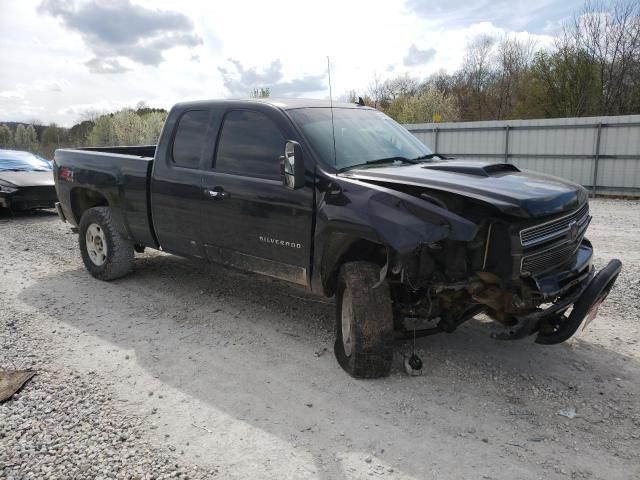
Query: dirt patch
[221,370]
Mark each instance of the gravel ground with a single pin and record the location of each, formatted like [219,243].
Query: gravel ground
[191,371]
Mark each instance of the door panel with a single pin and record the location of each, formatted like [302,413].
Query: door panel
[260,218]
[176,184]
[250,219]
[176,204]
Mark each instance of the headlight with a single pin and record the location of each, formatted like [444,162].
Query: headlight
[7,189]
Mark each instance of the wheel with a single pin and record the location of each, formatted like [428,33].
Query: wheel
[105,253]
[364,321]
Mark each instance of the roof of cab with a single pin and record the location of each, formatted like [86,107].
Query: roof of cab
[283,103]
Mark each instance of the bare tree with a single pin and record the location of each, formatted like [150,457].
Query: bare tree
[399,86]
[513,58]
[441,81]
[90,114]
[609,34]
[375,90]
[476,76]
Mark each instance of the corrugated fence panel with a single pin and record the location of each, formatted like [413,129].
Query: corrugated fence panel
[564,147]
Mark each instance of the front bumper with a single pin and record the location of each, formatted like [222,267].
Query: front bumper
[584,293]
[29,198]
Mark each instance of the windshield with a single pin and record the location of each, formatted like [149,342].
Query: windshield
[361,134]
[15,161]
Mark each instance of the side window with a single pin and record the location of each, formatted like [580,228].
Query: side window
[190,137]
[250,144]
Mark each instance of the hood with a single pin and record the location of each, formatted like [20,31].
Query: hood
[27,179]
[512,191]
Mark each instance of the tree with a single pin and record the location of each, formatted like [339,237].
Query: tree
[19,136]
[261,92]
[102,133]
[52,137]
[127,127]
[608,36]
[26,138]
[475,78]
[350,97]
[79,133]
[402,85]
[6,137]
[31,138]
[513,59]
[375,91]
[567,81]
[152,124]
[428,106]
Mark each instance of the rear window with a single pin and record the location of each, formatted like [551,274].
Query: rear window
[190,138]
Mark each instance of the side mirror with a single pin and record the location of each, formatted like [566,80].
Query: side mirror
[293,166]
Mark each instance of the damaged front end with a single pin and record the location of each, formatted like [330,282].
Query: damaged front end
[533,277]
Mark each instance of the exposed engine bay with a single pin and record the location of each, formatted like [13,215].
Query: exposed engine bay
[525,275]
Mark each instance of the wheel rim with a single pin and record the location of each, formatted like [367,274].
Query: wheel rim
[96,244]
[347,317]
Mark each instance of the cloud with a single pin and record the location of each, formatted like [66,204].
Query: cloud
[116,29]
[532,16]
[241,81]
[415,56]
[100,106]
[107,65]
[15,94]
[25,90]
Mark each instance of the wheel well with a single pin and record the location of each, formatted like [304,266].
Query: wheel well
[350,249]
[82,199]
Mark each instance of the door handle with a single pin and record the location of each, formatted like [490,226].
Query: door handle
[216,194]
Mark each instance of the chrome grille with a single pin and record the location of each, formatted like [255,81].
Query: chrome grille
[550,258]
[554,228]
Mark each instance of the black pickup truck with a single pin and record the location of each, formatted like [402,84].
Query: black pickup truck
[343,200]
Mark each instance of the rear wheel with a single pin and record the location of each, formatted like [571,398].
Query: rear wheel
[105,253]
[364,321]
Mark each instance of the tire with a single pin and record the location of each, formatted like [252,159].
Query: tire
[105,253]
[368,351]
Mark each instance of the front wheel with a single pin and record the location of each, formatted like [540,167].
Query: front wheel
[105,253]
[364,321]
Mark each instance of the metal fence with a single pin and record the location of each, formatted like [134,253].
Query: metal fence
[601,153]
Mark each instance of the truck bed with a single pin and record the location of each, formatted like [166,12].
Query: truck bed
[147,151]
[121,175]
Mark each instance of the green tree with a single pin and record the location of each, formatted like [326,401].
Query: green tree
[6,137]
[26,138]
[19,136]
[52,137]
[427,106]
[102,133]
[79,133]
[565,83]
[31,138]
[152,124]
[128,128]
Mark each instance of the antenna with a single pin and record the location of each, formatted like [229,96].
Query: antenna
[333,128]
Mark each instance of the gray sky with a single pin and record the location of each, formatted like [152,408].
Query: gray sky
[59,58]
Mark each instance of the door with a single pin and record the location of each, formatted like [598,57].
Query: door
[176,186]
[250,219]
